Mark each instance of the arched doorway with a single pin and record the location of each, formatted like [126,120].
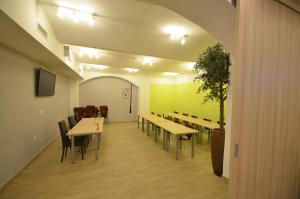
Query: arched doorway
[120,95]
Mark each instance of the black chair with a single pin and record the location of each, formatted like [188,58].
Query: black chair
[72,121]
[66,142]
[208,130]
[176,119]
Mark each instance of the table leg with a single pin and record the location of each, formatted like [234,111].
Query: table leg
[177,147]
[138,121]
[154,136]
[193,145]
[148,128]
[98,145]
[143,124]
[164,139]
[167,139]
[72,148]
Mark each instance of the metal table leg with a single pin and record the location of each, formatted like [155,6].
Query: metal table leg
[138,121]
[164,139]
[193,144]
[177,147]
[143,124]
[98,145]
[148,128]
[167,139]
[72,148]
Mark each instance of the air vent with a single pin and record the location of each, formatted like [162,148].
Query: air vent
[67,51]
[42,31]
[292,4]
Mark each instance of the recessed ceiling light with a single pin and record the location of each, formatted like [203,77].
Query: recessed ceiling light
[91,52]
[132,70]
[92,66]
[148,60]
[170,74]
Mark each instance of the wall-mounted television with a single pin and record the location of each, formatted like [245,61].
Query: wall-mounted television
[45,82]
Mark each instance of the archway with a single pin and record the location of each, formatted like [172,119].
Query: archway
[119,94]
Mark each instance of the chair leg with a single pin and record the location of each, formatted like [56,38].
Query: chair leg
[82,151]
[66,152]
[62,155]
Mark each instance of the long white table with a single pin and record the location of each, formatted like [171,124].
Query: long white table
[87,126]
[169,127]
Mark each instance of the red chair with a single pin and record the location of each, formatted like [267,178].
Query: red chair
[103,111]
[91,111]
[79,113]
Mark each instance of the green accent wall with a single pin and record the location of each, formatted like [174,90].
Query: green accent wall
[184,99]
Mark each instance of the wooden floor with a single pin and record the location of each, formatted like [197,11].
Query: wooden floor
[131,165]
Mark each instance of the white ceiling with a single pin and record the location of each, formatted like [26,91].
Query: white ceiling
[127,30]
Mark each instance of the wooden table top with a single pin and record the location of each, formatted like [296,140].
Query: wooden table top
[197,121]
[168,125]
[175,128]
[87,126]
[153,118]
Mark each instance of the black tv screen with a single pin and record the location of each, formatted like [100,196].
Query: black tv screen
[45,83]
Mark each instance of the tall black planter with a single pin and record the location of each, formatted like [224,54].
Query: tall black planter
[217,151]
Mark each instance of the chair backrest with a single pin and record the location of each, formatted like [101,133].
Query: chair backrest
[77,117]
[152,113]
[79,111]
[159,115]
[209,120]
[72,121]
[63,132]
[176,112]
[103,111]
[219,123]
[185,114]
[194,116]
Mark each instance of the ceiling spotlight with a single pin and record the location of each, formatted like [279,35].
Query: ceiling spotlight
[132,70]
[191,65]
[148,60]
[183,40]
[170,74]
[75,15]
[95,66]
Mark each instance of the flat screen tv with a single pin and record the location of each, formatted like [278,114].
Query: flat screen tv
[45,83]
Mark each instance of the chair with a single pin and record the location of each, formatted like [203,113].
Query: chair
[72,121]
[103,111]
[158,115]
[176,119]
[79,111]
[66,142]
[223,123]
[184,122]
[152,113]
[92,110]
[208,130]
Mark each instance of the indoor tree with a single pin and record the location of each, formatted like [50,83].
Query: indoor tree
[212,69]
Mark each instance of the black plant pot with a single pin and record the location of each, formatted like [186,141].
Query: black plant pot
[217,151]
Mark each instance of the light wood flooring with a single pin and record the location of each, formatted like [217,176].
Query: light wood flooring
[131,166]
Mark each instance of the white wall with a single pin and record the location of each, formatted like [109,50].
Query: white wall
[28,123]
[27,13]
[108,91]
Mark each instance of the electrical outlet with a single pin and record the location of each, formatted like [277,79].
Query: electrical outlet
[34,137]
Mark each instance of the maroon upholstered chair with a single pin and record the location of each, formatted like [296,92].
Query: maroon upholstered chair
[103,111]
[79,113]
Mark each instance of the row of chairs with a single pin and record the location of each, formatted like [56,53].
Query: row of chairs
[90,111]
[80,141]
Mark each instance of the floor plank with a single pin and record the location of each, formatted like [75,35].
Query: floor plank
[131,166]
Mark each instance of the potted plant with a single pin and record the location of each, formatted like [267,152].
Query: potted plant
[212,68]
